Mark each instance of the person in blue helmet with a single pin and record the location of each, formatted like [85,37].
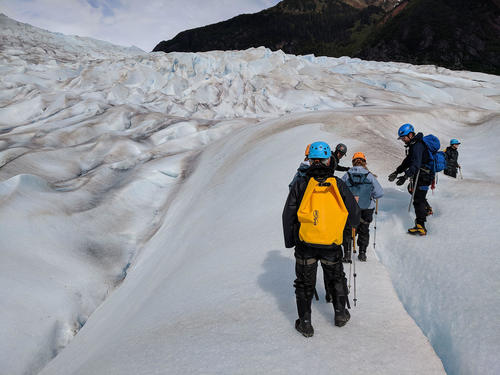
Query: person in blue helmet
[414,168]
[338,154]
[307,255]
[301,172]
[451,154]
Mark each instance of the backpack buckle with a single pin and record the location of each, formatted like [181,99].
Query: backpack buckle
[324,184]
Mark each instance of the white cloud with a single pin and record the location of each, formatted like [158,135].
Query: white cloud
[143,23]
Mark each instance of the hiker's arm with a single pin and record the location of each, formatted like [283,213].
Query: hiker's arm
[289,216]
[404,165]
[415,159]
[378,191]
[293,181]
[341,168]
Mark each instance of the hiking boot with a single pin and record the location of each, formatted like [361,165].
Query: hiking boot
[305,327]
[362,256]
[342,316]
[347,252]
[418,229]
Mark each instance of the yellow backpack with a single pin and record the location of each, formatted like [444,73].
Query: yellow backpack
[322,213]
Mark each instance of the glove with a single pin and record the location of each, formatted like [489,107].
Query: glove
[393,176]
[401,180]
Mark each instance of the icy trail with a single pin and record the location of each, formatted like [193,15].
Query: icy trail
[212,292]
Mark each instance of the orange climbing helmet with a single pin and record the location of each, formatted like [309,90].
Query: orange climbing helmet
[307,149]
[359,155]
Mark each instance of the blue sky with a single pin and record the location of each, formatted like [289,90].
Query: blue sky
[142,23]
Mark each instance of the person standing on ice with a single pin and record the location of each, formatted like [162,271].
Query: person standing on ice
[451,153]
[366,189]
[301,172]
[414,167]
[315,213]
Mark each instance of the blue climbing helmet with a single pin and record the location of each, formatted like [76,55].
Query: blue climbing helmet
[319,150]
[405,129]
[454,142]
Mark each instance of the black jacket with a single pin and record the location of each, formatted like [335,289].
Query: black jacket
[289,217]
[335,161]
[451,158]
[417,157]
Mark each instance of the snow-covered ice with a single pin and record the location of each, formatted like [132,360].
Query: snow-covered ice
[141,198]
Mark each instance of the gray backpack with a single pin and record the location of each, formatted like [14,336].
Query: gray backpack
[360,187]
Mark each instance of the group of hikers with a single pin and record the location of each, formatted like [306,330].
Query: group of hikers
[324,214]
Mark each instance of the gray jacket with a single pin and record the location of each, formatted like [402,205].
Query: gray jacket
[376,191]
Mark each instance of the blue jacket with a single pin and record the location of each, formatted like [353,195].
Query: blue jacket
[376,189]
[417,158]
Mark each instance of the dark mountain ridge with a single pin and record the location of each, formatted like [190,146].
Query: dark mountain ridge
[457,34]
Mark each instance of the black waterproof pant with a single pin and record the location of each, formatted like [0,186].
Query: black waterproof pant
[306,267]
[364,228]
[420,204]
[452,172]
[347,241]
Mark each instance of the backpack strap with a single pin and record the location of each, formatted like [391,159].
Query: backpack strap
[350,179]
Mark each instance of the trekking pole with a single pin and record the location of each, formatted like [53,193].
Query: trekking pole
[375,224]
[350,269]
[354,262]
[414,189]
[460,170]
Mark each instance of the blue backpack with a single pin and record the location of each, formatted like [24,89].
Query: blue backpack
[360,187]
[437,158]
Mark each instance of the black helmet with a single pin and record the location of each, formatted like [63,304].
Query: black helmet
[341,148]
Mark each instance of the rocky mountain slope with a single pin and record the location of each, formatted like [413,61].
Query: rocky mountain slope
[457,34]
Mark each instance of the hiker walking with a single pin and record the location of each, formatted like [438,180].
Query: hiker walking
[416,166]
[451,153]
[366,189]
[315,213]
[301,172]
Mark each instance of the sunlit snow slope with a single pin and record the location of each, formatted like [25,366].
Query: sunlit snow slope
[172,171]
